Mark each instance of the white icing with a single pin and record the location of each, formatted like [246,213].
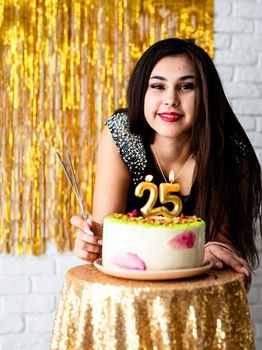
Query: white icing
[151,245]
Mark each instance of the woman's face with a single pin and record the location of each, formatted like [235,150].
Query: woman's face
[169,105]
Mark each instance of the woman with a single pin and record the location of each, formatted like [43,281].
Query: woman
[178,118]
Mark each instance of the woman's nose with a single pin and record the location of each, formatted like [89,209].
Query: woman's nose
[171,99]
[172,104]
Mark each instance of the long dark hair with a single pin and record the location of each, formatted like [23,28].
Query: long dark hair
[228,174]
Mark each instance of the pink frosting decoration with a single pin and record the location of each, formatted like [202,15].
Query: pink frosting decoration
[184,240]
[134,213]
[129,261]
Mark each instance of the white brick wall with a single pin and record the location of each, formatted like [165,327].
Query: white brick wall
[238,58]
[29,286]
[29,290]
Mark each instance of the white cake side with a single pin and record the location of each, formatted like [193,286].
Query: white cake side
[143,246]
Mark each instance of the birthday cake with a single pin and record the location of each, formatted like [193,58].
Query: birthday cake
[153,243]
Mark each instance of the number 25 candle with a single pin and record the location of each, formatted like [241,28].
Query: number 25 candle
[165,196]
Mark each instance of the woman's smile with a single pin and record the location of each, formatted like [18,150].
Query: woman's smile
[170,117]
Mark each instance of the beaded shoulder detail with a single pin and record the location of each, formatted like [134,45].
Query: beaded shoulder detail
[130,146]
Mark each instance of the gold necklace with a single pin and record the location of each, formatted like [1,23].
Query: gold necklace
[161,170]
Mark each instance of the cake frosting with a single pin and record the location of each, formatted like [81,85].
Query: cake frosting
[153,243]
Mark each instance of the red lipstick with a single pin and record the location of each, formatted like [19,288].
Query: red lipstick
[170,116]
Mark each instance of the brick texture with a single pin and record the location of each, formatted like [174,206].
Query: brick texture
[239,64]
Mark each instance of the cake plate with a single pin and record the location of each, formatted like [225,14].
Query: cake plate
[152,275]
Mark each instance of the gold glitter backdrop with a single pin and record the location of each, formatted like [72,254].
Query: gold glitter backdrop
[63,69]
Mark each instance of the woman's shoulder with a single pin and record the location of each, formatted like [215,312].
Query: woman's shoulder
[130,146]
[118,120]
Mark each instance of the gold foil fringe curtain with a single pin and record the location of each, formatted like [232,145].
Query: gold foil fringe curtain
[64,68]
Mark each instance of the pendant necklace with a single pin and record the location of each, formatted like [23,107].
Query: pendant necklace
[161,170]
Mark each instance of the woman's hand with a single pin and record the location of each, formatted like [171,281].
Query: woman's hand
[88,243]
[220,254]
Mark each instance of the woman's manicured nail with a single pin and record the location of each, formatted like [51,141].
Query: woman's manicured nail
[88,232]
[245,271]
[100,242]
[218,264]
[74,221]
[89,221]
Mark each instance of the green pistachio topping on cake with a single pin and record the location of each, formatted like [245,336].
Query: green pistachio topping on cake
[156,220]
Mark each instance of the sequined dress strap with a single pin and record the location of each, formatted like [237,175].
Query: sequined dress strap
[130,146]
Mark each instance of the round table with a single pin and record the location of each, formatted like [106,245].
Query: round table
[100,312]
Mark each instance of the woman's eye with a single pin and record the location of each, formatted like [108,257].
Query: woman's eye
[157,86]
[187,86]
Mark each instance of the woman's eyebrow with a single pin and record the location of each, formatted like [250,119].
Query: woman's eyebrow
[158,77]
[184,77]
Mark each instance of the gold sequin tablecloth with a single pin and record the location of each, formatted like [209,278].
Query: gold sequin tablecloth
[100,312]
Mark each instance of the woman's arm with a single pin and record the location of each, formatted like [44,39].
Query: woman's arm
[112,180]
[110,195]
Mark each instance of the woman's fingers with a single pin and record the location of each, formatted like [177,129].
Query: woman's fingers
[82,224]
[87,256]
[85,242]
[218,254]
[230,259]
[210,258]
[82,236]
[87,245]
